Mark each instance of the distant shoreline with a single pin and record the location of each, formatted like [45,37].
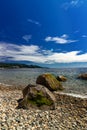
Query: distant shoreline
[17,66]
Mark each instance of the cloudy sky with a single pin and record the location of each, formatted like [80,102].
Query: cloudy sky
[50,33]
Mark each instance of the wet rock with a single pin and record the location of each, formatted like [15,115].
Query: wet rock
[37,96]
[82,76]
[61,78]
[49,81]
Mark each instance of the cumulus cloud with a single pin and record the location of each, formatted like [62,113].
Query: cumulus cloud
[27,37]
[61,40]
[35,54]
[73,3]
[34,22]
[68,57]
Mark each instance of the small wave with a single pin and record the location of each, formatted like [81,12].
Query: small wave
[77,95]
[74,95]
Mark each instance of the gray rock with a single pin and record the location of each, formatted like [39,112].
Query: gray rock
[61,78]
[37,96]
[82,76]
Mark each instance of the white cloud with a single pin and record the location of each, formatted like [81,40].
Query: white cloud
[35,54]
[73,3]
[27,37]
[65,36]
[34,22]
[84,36]
[12,50]
[61,40]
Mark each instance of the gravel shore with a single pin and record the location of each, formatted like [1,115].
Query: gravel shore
[70,114]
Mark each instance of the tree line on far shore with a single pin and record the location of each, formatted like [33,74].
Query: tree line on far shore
[17,65]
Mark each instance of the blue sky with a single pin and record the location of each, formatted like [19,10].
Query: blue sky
[50,33]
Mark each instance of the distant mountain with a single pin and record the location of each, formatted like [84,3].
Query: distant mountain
[17,65]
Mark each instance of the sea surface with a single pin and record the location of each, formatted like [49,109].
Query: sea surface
[23,77]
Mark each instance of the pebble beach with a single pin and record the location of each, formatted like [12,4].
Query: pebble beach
[70,113]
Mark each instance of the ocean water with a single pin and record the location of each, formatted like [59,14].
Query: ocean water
[23,77]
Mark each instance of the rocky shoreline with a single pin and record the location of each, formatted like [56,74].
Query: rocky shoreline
[70,113]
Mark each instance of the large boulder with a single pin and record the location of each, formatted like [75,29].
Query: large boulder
[49,81]
[61,78]
[82,76]
[37,96]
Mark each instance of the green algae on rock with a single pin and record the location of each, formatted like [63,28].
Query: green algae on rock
[49,81]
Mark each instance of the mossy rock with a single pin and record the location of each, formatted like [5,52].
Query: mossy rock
[37,96]
[49,81]
[40,100]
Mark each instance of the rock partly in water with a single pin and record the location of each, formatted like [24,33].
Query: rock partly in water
[49,81]
[61,78]
[82,76]
[37,96]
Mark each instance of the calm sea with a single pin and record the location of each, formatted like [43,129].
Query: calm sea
[23,77]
